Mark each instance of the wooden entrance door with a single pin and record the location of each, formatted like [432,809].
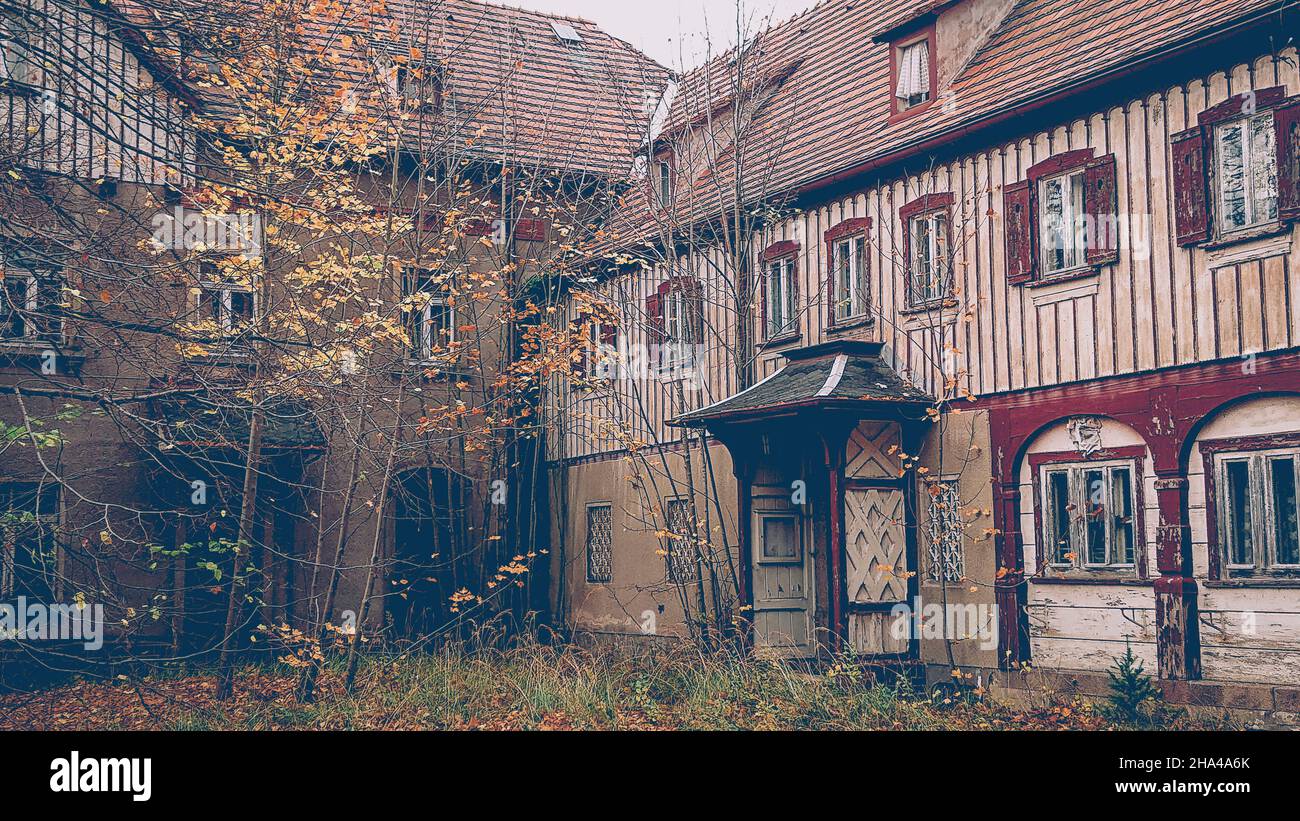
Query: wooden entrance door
[875,545]
[782,568]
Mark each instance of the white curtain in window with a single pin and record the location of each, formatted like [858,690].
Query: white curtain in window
[913,70]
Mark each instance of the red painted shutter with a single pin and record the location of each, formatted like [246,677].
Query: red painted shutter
[1100,203]
[695,292]
[1191,207]
[1016,203]
[654,314]
[531,230]
[1286,121]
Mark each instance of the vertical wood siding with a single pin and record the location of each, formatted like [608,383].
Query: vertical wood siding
[1176,307]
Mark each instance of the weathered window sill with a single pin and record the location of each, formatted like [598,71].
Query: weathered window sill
[781,341]
[1102,577]
[854,324]
[1277,583]
[935,305]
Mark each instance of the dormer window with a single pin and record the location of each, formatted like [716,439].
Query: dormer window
[912,77]
[664,182]
[420,87]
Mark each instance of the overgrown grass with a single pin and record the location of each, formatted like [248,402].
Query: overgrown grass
[538,687]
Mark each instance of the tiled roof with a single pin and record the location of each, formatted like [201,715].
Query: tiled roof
[832,112]
[518,88]
[513,90]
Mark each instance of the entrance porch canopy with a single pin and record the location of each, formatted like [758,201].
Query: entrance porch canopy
[818,398]
[848,376]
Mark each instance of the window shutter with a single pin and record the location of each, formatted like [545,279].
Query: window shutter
[1016,203]
[1191,207]
[695,291]
[654,312]
[1100,203]
[608,334]
[1286,121]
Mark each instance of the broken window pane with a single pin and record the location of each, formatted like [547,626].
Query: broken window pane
[1094,484]
[1286,537]
[1058,495]
[1122,511]
[1241,548]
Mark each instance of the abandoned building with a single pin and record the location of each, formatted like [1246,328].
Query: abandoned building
[960,335]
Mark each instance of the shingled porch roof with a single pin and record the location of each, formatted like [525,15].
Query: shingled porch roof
[843,375]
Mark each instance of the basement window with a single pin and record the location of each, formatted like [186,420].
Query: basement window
[600,543]
[681,548]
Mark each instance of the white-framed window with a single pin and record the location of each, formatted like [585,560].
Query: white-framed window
[431,319]
[228,305]
[945,532]
[930,270]
[1245,172]
[850,274]
[780,538]
[30,299]
[682,567]
[1089,517]
[912,85]
[664,182]
[600,348]
[1061,217]
[1257,511]
[600,543]
[782,299]
[683,325]
[15,64]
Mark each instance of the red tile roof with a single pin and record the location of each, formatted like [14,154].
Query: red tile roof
[832,113]
[513,90]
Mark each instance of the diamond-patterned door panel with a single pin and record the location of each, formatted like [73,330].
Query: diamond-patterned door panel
[876,545]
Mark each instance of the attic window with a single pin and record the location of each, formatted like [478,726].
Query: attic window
[567,34]
[912,80]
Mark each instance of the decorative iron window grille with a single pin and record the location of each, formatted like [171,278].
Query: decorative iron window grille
[681,550]
[944,529]
[600,544]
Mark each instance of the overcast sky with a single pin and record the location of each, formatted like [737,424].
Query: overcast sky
[671,31]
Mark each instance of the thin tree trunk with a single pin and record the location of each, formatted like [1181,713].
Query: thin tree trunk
[244,540]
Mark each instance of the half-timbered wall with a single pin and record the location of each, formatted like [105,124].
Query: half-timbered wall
[90,109]
[1159,306]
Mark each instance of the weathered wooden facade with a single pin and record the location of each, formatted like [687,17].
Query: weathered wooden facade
[1045,222]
